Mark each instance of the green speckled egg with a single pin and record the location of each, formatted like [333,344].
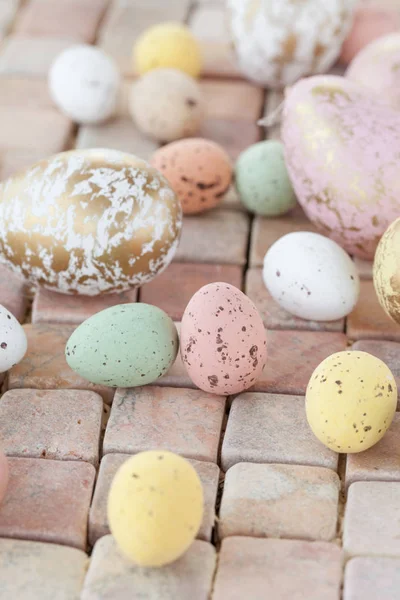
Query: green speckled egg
[262,180]
[124,346]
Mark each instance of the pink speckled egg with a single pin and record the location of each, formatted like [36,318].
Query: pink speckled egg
[377,68]
[341,152]
[3,475]
[199,171]
[223,341]
[370,22]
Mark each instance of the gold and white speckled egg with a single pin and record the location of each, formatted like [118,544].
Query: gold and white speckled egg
[386,271]
[279,41]
[89,222]
[351,400]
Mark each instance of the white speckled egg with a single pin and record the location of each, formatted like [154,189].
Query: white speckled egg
[311,277]
[279,41]
[84,83]
[13,342]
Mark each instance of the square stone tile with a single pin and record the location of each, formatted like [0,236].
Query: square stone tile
[368,320]
[364,268]
[278,569]
[30,57]
[372,578]
[37,571]
[236,100]
[388,352]
[371,520]
[111,575]
[279,501]
[177,375]
[273,104]
[269,428]
[233,135]
[219,60]
[209,22]
[184,421]
[292,356]
[173,289]
[120,134]
[273,315]
[47,501]
[77,19]
[44,366]
[13,293]
[17,159]
[51,307]
[8,10]
[231,200]
[30,424]
[25,92]
[98,525]
[218,236]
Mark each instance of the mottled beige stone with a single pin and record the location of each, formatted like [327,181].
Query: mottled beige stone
[374,578]
[30,57]
[368,321]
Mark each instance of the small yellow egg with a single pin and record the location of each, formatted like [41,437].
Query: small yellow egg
[351,399]
[167,45]
[155,507]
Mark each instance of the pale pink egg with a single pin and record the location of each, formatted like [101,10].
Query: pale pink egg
[3,474]
[223,340]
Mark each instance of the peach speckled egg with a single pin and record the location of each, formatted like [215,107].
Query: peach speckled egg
[198,170]
[3,474]
[341,151]
[377,68]
[370,22]
[223,340]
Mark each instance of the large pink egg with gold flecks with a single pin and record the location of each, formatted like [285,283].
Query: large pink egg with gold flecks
[342,150]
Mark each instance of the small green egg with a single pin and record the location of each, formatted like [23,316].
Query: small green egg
[124,346]
[262,180]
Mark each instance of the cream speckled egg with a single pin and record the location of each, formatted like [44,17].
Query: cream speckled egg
[386,271]
[351,400]
[279,41]
[13,342]
[155,507]
[166,104]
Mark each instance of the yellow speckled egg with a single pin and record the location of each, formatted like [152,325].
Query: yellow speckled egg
[387,271]
[155,507]
[167,45]
[351,399]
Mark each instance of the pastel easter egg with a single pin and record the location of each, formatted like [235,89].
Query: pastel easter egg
[89,222]
[386,271]
[377,68]
[4,475]
[341,151]
[167,45]
[279,41]
[155,507]
[167,104]
[351,400]
[311,277]
[13,342]
[84,83]
[262,180]
[124,346]
[199,171]
[223,340]
[370,22]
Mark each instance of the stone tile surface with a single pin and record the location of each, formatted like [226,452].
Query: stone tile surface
[177,375]
[278,569]
[173,289]
[279,501]
[292,357]
[368,320]
[364,268]
[218,236]
[270,428]
[44,365]
[51,307]
[372,578]
[8,11]
[234,136]
[52,424]
[273,103]
[14,160]
[37,571]
[184,421]
[388,352]
[13,293]
[30,57]
[236,100]
[111,575]
[26,92]
[98,525]
[47,501]
[371,521]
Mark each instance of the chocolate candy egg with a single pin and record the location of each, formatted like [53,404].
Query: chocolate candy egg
[387,271]
[88,222]
[13,342]
[199,171]
[377,68]
[223,341]
[155,507]
[351,400]
[341,151]
[166,105]
[279,41]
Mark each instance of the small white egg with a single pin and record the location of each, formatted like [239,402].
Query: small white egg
[311,276]
[84,84]
[13,342]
